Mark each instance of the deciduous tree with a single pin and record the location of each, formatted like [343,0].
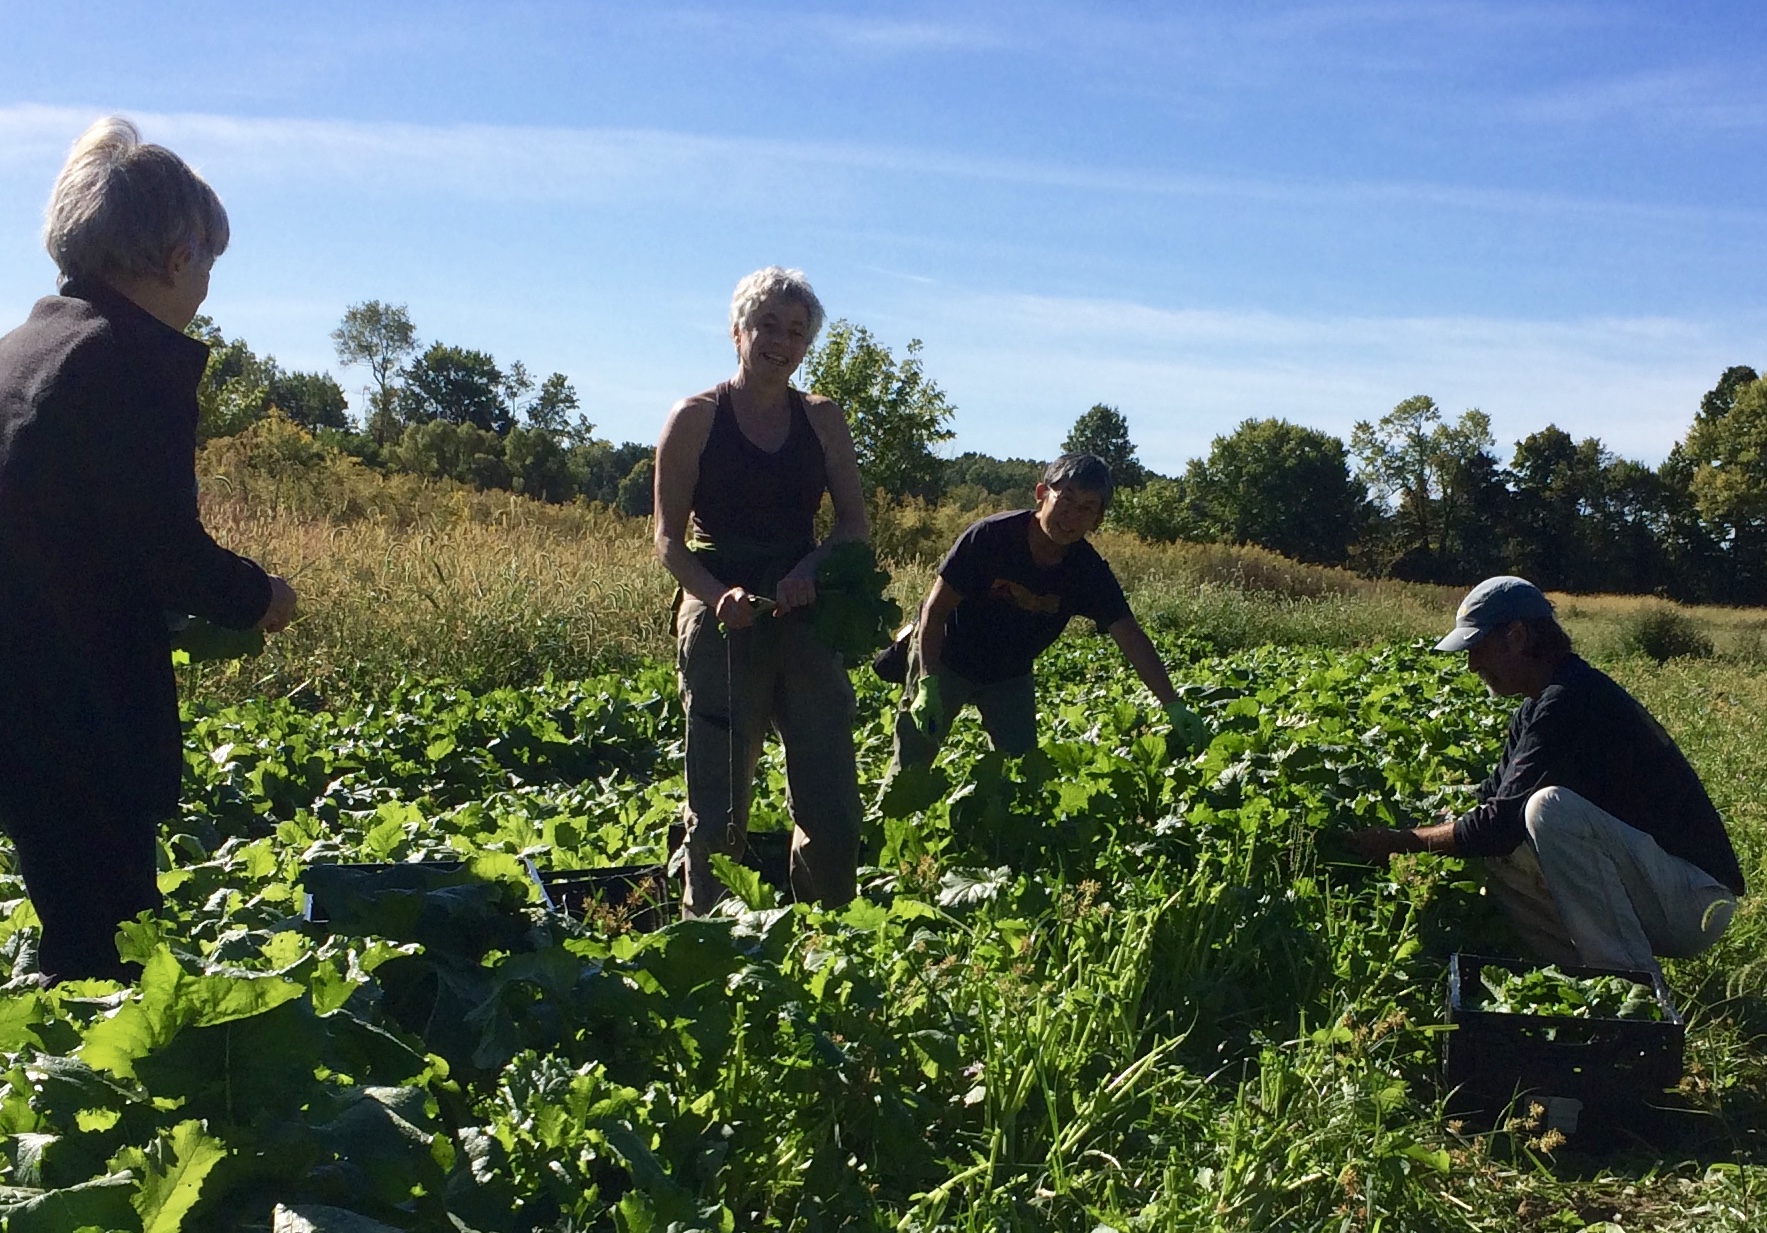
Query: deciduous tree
[1720,398]
[459,385]
[1103,431]
[557,410]
[447,449]
[1729,483]
[1441,486]
[1281,486]
[380,337]
[234,391]
[311,399]
[897,413]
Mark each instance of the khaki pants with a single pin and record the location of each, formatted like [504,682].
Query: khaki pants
[1588,890]
[735,685]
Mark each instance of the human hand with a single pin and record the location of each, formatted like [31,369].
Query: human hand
[1189,733]
[735,609]
[928,708]
[282,607]
[1377,843]
[795,590]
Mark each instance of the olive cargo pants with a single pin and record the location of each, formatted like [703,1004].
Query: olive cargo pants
[1008,709]
[736,684]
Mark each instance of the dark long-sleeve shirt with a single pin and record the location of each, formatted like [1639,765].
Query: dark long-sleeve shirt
[1587,734]
[99,539]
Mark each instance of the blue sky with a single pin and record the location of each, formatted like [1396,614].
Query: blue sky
[1196,212]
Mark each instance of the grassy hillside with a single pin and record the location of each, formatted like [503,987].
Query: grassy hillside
[404,577]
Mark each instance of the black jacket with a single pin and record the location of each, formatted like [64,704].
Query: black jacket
[1586,733]
[99,540]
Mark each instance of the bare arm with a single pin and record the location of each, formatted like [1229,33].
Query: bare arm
[1139,650]
[940,603]
[1379,842]
[798,588]
[677,473]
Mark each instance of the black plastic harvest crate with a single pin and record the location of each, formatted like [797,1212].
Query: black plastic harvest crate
[644,895]
[639,892]
[378,876]
[768,853]
[1612,1067]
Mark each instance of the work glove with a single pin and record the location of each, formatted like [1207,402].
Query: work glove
[928,708]
[1189,733]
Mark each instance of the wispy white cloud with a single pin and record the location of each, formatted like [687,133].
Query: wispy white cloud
[1476,16]
[1026,366]
[32,135]
[820,31]
[1672,98]
[883,35]
[506,162]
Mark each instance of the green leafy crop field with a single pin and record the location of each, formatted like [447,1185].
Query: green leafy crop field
[1096,988]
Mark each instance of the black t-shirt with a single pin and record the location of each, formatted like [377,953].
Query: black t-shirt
[1586,733]
[1013,608]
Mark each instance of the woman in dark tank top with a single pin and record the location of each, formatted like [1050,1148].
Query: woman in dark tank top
[740,474]
[754,510]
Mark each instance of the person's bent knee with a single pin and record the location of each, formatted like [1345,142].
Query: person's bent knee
[1544,805]
[1551,812]
[1709,917]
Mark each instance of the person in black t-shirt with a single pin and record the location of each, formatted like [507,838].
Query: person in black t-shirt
[1599,840]
[1004,593]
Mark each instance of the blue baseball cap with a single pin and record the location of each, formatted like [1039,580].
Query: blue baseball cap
[1494,602]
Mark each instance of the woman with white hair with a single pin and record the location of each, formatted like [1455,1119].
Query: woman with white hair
[100,539]
[740,474]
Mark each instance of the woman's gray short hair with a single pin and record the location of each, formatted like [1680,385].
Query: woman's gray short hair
[775,282]
[121,206]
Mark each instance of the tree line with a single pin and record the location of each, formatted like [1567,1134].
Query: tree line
[1412,495]
[436,410]
[1418,496]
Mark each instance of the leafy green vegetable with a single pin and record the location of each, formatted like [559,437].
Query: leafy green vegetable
[1083,987]
[202,641]
[172,1172]
[1548,991]
[851,614]
[744,883]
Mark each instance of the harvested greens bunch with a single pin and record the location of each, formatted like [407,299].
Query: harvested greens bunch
[1548,991]
[851,614]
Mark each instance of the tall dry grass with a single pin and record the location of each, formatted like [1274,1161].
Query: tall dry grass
[1606,623]
[401,576]
[488,589]
[478,596]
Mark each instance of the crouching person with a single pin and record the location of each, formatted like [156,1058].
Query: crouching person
[1599,840]
[1003,595]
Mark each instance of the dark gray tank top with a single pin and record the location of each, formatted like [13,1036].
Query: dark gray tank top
[754,511]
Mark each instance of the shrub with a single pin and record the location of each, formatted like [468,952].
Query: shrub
[1663,632]
[1159,512]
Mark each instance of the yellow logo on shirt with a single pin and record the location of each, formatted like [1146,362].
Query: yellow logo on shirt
[1030,601]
